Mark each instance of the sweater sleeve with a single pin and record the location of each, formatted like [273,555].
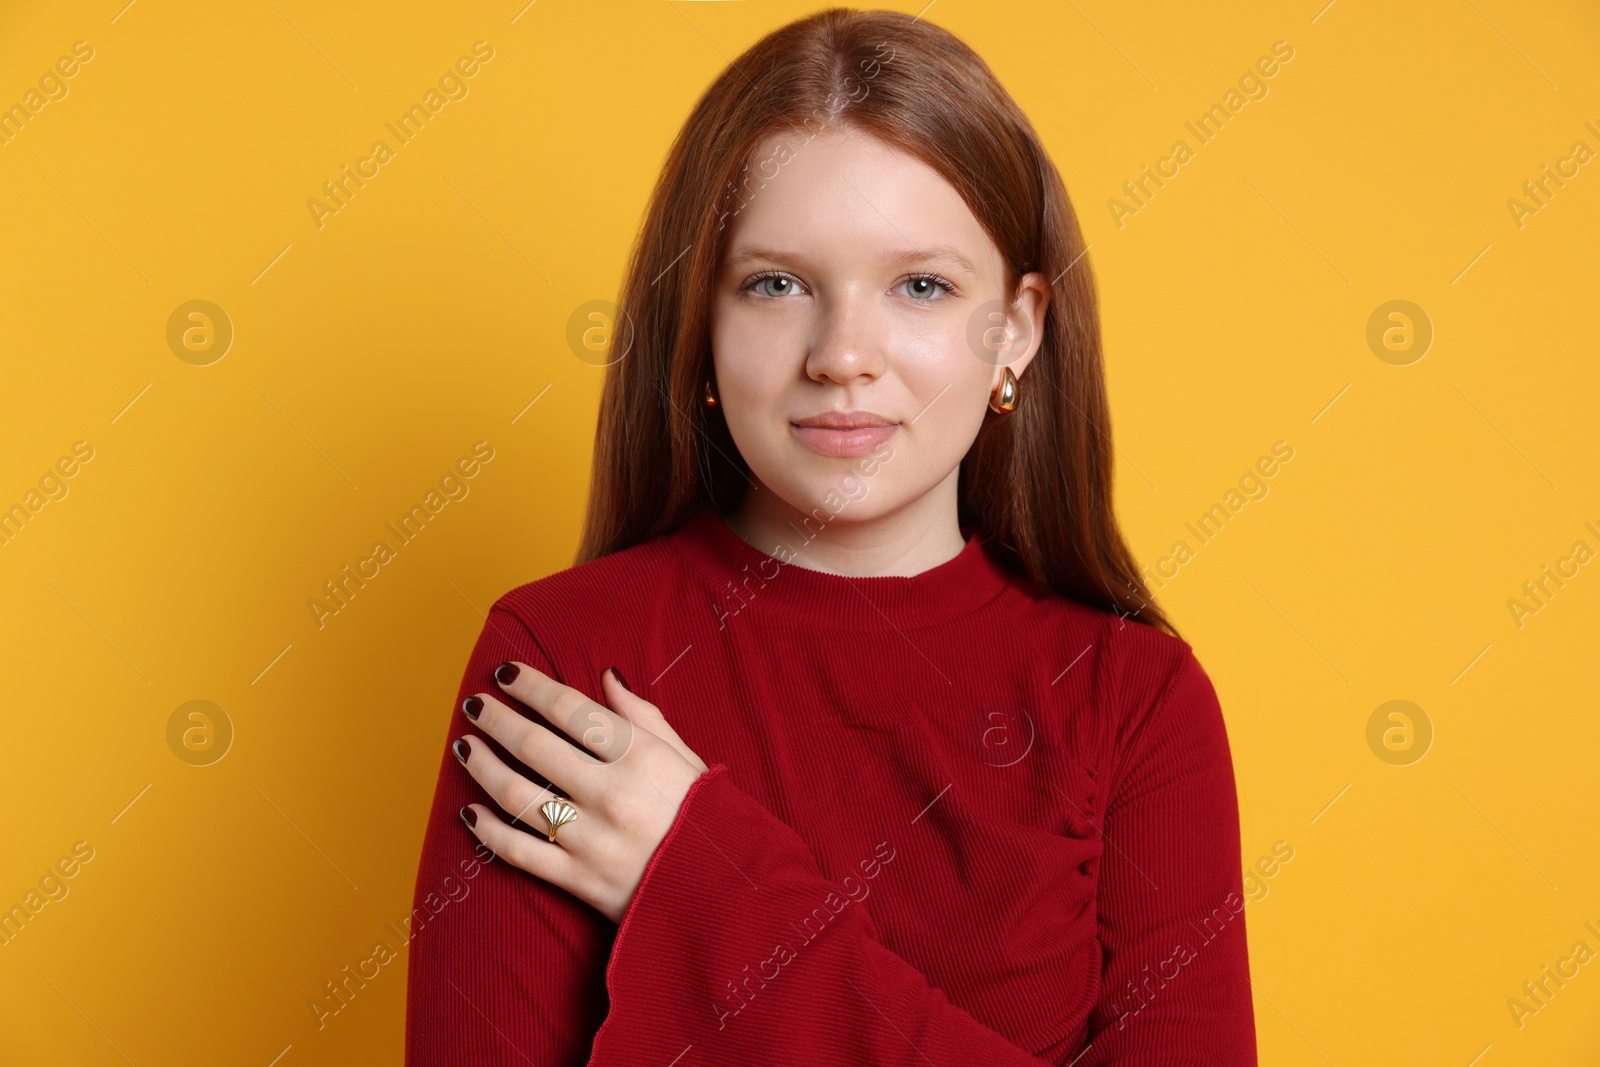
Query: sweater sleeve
[506,969]
[1175,971]
[737,950]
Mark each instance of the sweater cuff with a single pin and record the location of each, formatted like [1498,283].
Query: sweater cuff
[700,931]
[664,866]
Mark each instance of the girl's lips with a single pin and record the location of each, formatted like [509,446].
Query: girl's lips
[838,443]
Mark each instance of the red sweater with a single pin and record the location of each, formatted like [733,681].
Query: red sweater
[948,820]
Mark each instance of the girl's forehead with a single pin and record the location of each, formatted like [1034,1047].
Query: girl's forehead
[847,195]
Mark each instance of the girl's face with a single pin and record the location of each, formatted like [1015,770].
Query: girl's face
[856,283]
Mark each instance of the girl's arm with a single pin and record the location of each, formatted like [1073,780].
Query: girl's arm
[1176,977]
[504,968]
[515,971]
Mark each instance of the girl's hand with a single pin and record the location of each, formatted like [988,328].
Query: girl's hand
[627,782]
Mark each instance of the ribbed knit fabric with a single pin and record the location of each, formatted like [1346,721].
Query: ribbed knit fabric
[949,820]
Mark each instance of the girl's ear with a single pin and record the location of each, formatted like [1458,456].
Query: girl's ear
[1025,323]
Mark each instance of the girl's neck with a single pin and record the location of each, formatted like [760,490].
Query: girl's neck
[836,539]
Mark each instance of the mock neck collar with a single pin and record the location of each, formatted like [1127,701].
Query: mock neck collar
[743,579]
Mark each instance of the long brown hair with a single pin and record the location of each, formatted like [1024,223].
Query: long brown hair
[1037,481]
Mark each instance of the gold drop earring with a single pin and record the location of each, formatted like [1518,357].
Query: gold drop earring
[710,396]
[1004,399]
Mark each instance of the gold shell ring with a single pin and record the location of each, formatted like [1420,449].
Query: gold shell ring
[558,812]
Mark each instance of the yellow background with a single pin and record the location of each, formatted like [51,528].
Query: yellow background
[370,353]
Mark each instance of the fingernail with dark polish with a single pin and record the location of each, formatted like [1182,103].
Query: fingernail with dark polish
[618,675]
[506,673]
[469,816]
[470,707]
[460,748]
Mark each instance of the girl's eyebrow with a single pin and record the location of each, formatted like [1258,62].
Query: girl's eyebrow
[946,253]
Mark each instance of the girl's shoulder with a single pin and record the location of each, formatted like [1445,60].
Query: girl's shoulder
[1123,670]
[602,600]
[632,570]
[1124,648]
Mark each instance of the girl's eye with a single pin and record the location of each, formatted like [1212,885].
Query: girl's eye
[772,285]
[923,286]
